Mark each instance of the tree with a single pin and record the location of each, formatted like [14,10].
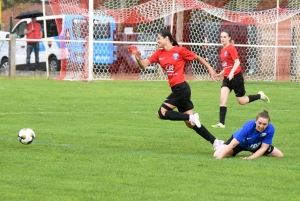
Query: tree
[11,3]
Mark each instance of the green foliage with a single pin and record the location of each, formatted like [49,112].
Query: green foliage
[103,141]
[11,3]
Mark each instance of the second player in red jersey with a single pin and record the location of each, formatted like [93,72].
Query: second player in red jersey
[233,79]
[228,56]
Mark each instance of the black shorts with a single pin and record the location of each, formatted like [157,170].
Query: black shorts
[238,148]
[236,83]
[181,97]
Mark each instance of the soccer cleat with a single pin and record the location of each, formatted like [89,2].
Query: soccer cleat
[194,119]
[217,144]
[264,97]
[219,125]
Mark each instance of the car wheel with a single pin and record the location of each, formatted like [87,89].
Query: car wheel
[4,64]
[53,64]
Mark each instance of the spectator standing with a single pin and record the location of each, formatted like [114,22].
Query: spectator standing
[33,31]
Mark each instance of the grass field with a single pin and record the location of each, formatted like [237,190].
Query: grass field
[103,141]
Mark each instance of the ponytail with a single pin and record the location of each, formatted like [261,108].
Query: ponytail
[264,114]
[166,33]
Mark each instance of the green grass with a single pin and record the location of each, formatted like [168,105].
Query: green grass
[103,141]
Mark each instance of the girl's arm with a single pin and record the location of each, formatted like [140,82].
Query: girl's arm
[235,66]
[259,152]
[142,63]
[219,75]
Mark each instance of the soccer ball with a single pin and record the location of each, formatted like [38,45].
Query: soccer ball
[26,136]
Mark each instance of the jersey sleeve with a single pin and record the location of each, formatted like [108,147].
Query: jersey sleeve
[240,135]
[187,54]
[154,57]
[234,54]
[270,134]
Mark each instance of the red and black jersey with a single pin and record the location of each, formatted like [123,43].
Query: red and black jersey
[228,55]
[173,62]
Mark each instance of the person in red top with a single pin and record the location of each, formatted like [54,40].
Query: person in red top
[233,79]
[33,31]
[172,59]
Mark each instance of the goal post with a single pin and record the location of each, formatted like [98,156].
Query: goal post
[265,34]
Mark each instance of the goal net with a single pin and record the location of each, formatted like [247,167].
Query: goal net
[265,33]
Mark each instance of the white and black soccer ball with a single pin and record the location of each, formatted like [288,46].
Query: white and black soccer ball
[26,136]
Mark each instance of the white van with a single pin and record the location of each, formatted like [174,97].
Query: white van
[3,35]
[53,47]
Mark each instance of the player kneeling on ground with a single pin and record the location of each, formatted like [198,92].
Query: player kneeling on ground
[255,136]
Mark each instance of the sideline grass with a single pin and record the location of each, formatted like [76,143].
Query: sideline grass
[102,141]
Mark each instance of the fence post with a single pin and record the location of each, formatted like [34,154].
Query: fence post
[12,56]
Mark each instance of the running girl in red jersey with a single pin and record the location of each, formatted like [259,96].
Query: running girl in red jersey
[233,79]
[172,59]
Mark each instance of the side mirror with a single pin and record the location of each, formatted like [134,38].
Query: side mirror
[7,36]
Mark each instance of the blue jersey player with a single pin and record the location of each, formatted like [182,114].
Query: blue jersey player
[255,136]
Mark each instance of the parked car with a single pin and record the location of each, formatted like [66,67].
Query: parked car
[54,48]
[3,36]
[75,27]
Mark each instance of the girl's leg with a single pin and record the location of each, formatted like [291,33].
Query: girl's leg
[221,149]
[276,153]
[166,112]
[225,91]
[239,90]
[202,131]
[250,98]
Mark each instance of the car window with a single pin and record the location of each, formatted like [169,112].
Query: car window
[51,28]
[19,30]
